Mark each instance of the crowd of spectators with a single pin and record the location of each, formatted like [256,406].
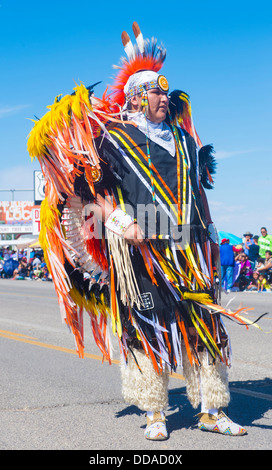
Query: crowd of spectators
[244,267]
[248,266]
[19,265]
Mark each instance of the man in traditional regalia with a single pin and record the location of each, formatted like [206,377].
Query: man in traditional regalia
[125,196]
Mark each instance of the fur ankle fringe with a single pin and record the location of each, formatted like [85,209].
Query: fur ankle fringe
[207,384]
[144,388]
[149,391]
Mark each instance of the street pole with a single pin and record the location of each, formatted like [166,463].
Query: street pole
[12,191]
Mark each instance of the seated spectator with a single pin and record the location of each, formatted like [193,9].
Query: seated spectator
[266,267]
[14,255]
[20,254]
[35,267]
[23,260]
[20,272]
[44,276]
[263,284]
[245,271]
[260,263]
[29,270]
[9,266]
[238,255]
[36,273]
[253,285]
[36,262]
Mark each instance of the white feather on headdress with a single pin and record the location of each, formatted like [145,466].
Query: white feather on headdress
[128,46]
[138,36]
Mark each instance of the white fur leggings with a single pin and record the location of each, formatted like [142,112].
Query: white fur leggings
[147,390]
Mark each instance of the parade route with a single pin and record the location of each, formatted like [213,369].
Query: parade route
[53,400]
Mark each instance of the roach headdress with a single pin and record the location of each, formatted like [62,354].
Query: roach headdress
[145,55]
[140,71]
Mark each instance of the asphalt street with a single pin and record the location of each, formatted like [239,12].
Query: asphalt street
[53,400]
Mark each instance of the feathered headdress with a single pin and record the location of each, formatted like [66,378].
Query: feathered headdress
[144,55]
[147,55]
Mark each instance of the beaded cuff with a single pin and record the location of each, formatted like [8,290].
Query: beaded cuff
[118,221]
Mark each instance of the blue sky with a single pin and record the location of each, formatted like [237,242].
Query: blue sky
[218,52]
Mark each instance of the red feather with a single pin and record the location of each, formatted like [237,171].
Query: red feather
[140,62]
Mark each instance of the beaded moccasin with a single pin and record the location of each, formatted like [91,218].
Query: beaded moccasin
[220,423]
[156,428]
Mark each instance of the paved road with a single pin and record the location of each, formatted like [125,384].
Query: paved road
[52,400]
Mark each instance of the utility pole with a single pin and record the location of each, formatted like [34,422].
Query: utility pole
[12,191]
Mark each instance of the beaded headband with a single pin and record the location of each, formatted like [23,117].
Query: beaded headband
[160,83]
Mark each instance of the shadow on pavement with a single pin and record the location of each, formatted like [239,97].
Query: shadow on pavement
[243,408]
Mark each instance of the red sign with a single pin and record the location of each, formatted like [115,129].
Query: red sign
[16,212]
[36,222]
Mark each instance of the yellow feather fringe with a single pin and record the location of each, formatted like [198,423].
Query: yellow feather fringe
[59,114]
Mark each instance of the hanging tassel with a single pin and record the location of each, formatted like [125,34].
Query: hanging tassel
[127,283]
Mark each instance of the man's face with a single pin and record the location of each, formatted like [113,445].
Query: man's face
[157,105]
[263,232]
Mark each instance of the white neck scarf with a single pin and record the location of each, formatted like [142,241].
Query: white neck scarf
[161,133]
